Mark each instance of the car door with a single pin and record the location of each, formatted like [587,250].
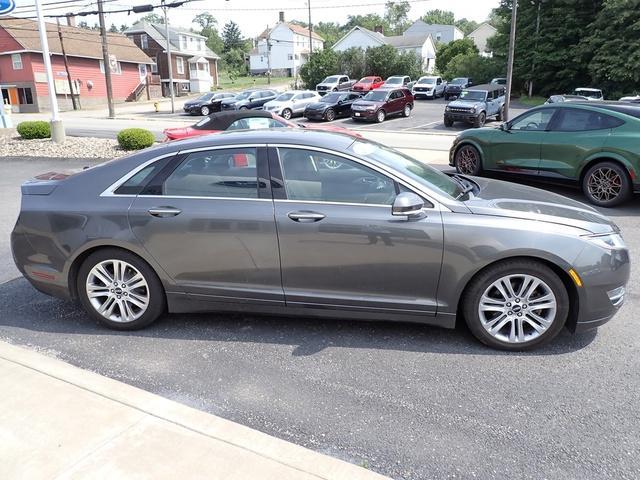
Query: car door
[207,219]
[396,101]
[340,246]
[574,136]
[491,103]
[516,148]
[344,108]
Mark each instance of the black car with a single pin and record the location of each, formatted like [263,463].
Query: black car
[206,103]
[455,87]
[331,106]
[253,99]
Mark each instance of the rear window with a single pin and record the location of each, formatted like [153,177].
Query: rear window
[577,120]
[138,181]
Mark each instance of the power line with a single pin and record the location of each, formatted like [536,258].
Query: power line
[276,9]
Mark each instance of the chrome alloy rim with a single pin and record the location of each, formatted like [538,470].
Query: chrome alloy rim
[467,160]
[604,184]
[517,308]
[117,291]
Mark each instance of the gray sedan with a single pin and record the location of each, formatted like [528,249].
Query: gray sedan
[317,223]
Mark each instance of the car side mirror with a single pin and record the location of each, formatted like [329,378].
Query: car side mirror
[407,203]
[505,126]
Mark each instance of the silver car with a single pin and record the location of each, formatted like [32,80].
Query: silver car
[299,222]
[292,103]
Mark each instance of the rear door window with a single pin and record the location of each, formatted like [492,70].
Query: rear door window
[578,120]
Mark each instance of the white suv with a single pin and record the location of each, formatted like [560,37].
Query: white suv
[291,103]
[429,87]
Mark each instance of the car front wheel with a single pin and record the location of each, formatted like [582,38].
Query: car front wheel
[120,290]
[380,116]
[204,110]
[516,305]
[407,110]
[607,184]
[480,119]
[467,160]
[287,114]
[330,115]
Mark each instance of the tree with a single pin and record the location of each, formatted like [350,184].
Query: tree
[441,17]
[471,64]
[397,16]
[113,28]
[449,50]
[352,62]
[233,62]
[208,23]
[153,18]
[330,31]
[467,26]
[320,65]
[123,27]
[369,21]
[381,61]
[232,37]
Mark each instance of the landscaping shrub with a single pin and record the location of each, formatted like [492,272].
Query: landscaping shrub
[135,138]
[34,129]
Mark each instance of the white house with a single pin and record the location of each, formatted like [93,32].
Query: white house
[439,33]
[289,49]
[480,36]
[421,44]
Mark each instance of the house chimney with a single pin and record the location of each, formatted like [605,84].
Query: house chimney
[71,20]
[379,29]
[281,17]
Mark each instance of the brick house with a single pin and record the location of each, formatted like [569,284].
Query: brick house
[195,66]
[23,81]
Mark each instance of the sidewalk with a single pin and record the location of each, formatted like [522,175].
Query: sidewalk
[61,422]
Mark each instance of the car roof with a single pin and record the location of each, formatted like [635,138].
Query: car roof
[487,87]
[588,89]
[630,109]
[222,120]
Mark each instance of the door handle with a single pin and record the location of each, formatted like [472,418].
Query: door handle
[164,212]
[305,216]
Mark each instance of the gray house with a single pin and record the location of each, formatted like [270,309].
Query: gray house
[439,33]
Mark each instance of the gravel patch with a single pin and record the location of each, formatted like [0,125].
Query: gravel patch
[73,147]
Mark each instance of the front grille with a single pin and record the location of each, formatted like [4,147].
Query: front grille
[460,110]
[421,89]
[322,88]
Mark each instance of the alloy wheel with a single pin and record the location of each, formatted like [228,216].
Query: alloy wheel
[117,291]
[467,161]
[204,110]
[604,184]
[517,308]
[331,115]
[286,114]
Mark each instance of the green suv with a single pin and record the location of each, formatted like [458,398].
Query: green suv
[596,146]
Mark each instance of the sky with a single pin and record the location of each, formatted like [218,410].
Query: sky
[253,16]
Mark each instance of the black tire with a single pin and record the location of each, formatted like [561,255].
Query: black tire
[607,184]
[330,115]
[500,115]
[475,290]
[381,115]
[446,97]
[205,110]
[448,122]
[244,108]
[467,160]
[287,114]
[480,120]
[156,296]
[407,110]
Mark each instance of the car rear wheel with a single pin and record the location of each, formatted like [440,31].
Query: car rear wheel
[380,116]
[120,290]
[500,116]
[330,115]
[516,305]
[607,184]
[204,110]
[287,113]
[480,119]
[407,110]
[467,160]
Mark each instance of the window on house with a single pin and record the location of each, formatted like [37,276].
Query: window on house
[290,56]
[201,45]
[144,41]
[154,65]
[438,36]
[117,71]
[24,96]
[183,42]
[180,65]
[16,60]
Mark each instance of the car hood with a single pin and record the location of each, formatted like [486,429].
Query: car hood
[194,103]
[465,103]
[367,103]
[506,199]
[319,105]
[328,84]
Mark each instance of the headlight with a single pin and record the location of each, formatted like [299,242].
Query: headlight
[473,110]
[446,109]
[610,241]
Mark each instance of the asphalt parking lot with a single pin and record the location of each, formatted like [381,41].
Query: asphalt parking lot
[408,401]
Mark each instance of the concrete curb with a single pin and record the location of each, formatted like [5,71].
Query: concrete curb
[248,442]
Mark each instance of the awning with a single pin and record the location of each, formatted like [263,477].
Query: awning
[198,59]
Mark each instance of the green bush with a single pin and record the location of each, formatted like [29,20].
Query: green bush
[135,138]
[34,129]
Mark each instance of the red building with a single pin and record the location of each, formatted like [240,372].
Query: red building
[23,82]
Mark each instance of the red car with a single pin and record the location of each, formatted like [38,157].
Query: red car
[366,84]
[243,120]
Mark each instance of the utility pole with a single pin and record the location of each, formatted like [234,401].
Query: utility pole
[310,31]
[533,62]
[57,129]
[512,44]
[105,60]
[269,56]
[66,66]
[166,34]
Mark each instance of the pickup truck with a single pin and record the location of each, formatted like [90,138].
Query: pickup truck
[335,83]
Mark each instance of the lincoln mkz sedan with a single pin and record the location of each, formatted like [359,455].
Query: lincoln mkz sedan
[319,224]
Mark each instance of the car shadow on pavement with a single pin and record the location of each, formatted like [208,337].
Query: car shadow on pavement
[26,315]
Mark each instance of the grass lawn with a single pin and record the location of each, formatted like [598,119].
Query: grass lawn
[240,83]
[531,102]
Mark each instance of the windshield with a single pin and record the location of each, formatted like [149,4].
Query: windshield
[587,93]
[332,79]
[366,80]
[473,95]
[401,163]
[332,97]
[284,97]
[205,97]
[459,81]
[376,96]
[428,81]
[394,80]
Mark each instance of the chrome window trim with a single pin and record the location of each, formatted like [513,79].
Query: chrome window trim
[401,179]
[195,197]
[320,202]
